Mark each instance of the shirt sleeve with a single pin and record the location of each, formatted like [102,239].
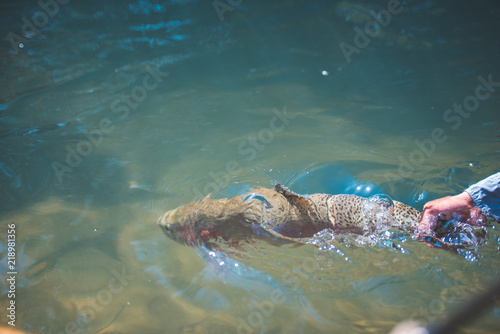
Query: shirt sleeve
[486,195]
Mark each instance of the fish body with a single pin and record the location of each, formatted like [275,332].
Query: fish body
[283,214]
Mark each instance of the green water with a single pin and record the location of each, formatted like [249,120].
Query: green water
[114,112]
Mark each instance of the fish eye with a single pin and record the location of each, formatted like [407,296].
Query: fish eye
[169,228]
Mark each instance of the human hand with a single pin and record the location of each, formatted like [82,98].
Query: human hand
[460,207]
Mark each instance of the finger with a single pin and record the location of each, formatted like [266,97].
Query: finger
[427,205]
[444,216]
[427,223]
[477,217]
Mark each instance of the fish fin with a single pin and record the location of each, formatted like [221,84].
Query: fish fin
[292,197]
[303,204]
[285,191]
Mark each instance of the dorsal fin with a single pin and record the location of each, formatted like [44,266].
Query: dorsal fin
[303,204]
[285,191]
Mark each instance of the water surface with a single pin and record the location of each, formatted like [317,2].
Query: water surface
[112,113]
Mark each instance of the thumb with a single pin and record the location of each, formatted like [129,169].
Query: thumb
[428,222]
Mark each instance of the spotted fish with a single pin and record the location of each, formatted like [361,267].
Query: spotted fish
[283,214]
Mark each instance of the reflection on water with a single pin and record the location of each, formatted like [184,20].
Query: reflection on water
[98,141]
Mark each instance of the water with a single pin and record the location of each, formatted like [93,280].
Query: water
[97,141]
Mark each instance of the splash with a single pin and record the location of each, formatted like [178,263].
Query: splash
[454,232]
[377,212]
[324,241]
[459,237]
[378,231]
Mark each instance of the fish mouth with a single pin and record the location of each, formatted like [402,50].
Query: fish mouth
[171,220]
[175,225]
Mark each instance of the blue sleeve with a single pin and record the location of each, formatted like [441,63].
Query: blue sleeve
[486,195]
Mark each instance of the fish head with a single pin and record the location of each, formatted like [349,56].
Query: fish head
[177,226]
[183,225]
